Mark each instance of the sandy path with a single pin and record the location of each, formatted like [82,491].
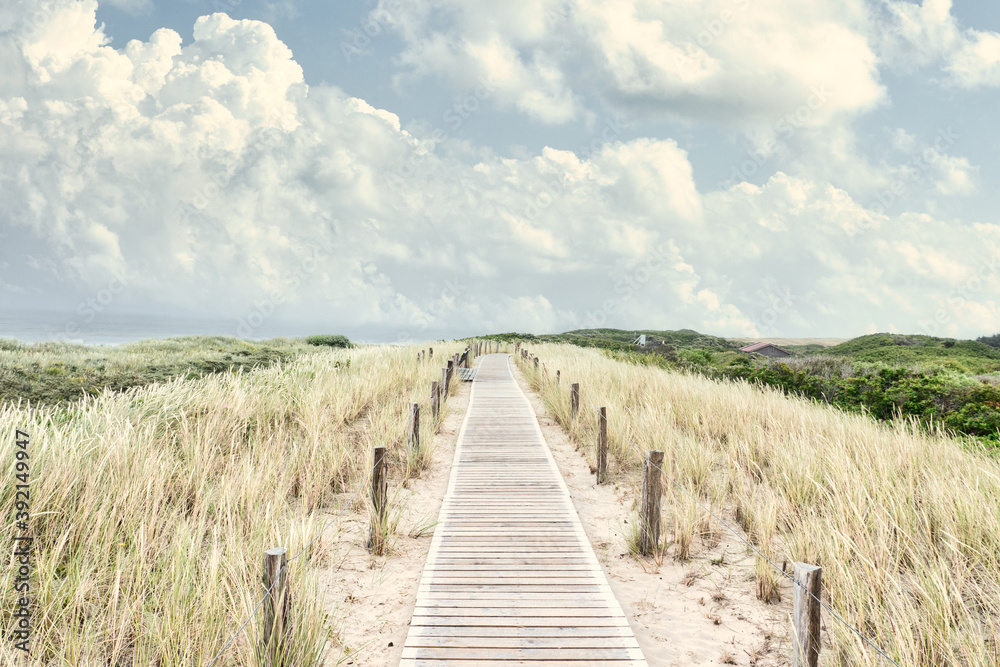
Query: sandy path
[371,602]
[695,613]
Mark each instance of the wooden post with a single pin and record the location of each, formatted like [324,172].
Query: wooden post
[574,400]
[435,400]
[430,353]
[806,615]
[380,492]
[451,373]
[649,520]
[276,620]
[444,385]
[536,363]
[415,427]
[557,378]
[602,445]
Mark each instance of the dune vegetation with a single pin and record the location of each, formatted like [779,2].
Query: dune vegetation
[53,371]
[905,521]
[151,506]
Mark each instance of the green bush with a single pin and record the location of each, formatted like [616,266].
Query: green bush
[330,341]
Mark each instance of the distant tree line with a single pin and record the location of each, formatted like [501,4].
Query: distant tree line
[992,341]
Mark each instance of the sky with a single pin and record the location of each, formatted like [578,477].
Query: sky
[416,169]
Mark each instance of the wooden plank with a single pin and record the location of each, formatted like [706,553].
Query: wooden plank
[562,613]
[511,577]
[518,621]
[591,655]
[525,642]
[409,662]
[616,633]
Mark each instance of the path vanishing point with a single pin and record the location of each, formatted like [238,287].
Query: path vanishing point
[511,577]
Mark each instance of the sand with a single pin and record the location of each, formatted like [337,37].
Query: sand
[371,600]
[703,612]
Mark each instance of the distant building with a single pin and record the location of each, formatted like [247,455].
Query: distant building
[767,349]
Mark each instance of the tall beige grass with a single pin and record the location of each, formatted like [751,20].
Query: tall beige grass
[905,524]
[152,508]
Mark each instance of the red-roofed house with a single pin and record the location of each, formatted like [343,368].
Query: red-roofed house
[767,349]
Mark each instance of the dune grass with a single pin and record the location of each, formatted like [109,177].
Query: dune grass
[905,523]
[54,372]
[152,507]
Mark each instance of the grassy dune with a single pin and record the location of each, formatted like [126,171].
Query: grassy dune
[152,506]
[906,524]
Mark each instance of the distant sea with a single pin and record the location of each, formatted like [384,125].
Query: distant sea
[108,328]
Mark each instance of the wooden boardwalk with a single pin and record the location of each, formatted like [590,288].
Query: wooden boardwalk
[511,577]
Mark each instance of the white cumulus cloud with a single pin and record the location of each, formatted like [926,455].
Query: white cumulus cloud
[214,178]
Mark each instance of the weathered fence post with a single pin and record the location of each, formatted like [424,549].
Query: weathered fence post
[574,400]
[435,400]
[557,378]
[536,363]
[451,372]
[430,353]
[649,520]
[276,620]
[806,615]
[380,491]
[444,384]
[602,445]
[415,428]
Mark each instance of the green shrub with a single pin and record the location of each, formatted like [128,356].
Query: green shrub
[330,341]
